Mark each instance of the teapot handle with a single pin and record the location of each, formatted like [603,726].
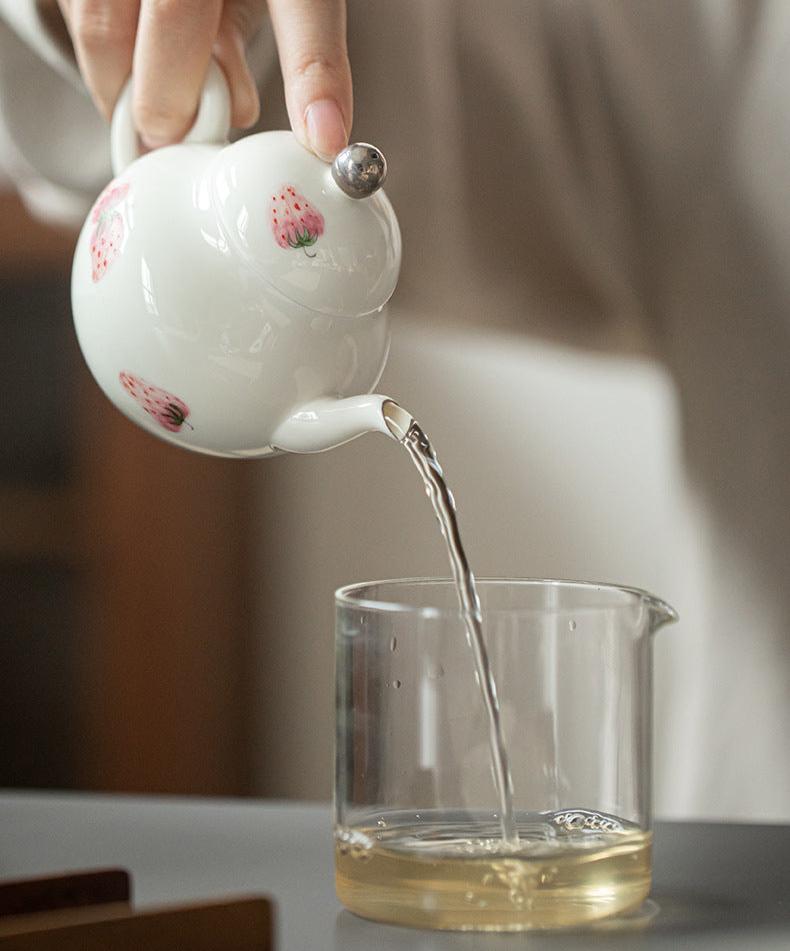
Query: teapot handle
[211,125]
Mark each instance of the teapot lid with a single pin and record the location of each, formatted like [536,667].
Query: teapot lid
[325,237]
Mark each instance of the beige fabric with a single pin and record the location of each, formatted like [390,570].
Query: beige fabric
[616,174]
[613,175]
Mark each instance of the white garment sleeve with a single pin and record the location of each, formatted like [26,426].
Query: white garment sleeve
[54,146]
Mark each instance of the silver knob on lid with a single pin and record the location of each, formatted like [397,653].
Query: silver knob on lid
[359,170]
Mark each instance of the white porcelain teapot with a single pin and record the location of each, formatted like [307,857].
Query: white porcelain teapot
[231,298]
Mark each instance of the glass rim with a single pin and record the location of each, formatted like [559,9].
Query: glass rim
[348,596]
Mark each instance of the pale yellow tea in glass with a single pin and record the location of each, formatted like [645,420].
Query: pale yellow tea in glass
[461,878]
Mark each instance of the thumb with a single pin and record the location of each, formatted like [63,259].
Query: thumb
[311,40]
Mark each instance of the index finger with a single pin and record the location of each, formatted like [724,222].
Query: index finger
[311,40]
[171,56]
[103,33]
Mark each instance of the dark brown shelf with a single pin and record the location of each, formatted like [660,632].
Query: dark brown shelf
[39,523]
[125,579]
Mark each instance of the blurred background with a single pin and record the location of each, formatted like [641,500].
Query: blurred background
[167,619]
[591,326]
[125,588]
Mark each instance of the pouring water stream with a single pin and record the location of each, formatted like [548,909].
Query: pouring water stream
[408,431]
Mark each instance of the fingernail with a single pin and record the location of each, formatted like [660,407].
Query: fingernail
[325,130]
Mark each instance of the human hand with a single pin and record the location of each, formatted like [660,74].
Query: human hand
[167,44]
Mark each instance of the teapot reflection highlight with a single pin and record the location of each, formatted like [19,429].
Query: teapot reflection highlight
[232,299]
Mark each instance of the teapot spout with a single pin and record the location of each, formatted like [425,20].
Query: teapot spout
[325,423]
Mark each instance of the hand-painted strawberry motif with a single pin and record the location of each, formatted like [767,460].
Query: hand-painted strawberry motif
[107,236]
[295,222]
[168,410]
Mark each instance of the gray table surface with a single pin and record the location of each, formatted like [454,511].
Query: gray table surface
[716,886]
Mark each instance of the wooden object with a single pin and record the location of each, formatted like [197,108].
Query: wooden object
[29,896]
[90,911]
[242,924]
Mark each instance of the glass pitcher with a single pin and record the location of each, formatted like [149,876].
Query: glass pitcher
[417,836]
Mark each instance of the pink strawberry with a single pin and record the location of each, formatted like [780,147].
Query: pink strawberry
[111,196]
[107,236]
[168,410]
[106,243]
[295,222]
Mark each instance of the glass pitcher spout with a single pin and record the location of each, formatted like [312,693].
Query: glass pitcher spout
[661,613]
